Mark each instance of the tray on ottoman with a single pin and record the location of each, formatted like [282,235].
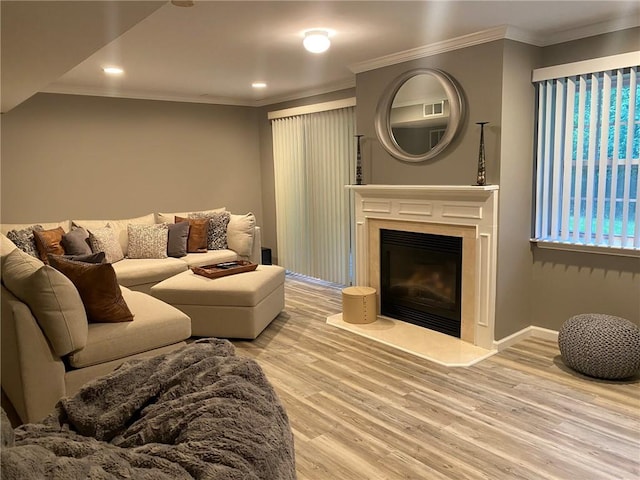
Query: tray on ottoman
[223,269]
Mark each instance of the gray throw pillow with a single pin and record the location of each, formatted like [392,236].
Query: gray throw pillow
[76,242]
[98,257]
[25,240]
[178,236]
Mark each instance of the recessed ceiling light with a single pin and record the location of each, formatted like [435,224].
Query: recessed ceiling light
[259,85]
[113,70]
[317,40]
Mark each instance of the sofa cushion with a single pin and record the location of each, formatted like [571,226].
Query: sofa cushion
[156,324]
[178,238]
[51,296]
[120,226]
[25,240]
[6,247]
[136,271]
[240,233]
[217,232]
[49,241]
[198,231]
[209,258]
[170,217]
[104,240]
[98,288]
[244,289]
[148,241]
[76,242]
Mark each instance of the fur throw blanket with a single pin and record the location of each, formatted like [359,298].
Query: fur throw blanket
[197,413]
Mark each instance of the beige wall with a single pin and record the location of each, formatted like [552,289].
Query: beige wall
[69,156]
[592,47]
[569,283]
[513,303]
[478,71]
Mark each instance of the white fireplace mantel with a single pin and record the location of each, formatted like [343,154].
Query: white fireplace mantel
[470,212]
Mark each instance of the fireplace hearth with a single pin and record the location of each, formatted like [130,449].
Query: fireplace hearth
[420,279]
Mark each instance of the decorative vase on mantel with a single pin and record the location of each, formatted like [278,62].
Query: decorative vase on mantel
[358,161]
[481,177]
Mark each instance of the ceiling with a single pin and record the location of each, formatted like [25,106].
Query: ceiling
[213,51]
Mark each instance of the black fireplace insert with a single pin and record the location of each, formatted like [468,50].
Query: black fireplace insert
[420,279]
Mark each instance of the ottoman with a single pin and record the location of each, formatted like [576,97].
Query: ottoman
[600,346]
[236,306]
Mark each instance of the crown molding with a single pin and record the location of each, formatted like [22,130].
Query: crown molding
[329,88]
[497,33]
[600,28]
[209,99]
[457,43]
[141,95]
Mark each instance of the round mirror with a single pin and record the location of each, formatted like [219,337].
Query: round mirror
[419,114]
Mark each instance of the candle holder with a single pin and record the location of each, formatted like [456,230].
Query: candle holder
[481,178]
[358,161]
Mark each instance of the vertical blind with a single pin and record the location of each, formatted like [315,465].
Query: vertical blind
[588,149]
[313,160]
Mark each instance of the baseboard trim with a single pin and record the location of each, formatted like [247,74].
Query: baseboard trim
[529,332]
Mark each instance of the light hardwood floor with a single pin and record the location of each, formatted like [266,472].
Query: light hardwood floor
[361,410]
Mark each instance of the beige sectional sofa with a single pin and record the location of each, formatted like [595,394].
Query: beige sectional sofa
[49,349]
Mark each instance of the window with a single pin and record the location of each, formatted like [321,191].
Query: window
[588,151]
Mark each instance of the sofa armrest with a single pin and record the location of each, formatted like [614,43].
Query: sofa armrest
[33,377]
[256,251]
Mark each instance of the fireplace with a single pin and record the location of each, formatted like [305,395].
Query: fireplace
[466,216]
[420,279]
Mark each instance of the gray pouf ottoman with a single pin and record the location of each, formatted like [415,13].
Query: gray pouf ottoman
[600,346]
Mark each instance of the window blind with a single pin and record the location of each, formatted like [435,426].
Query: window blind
[314,156]
[588,149]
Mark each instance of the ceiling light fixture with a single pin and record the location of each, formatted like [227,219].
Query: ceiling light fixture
[113,70]
[259,85]
[317,40]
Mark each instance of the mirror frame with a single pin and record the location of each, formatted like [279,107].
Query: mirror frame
[383,111]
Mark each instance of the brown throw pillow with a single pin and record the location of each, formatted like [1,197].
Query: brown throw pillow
[198,231]
[49,241]
[98,289]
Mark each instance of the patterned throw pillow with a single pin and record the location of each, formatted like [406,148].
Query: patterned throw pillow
[217,235]
[148,241]
[25,240]
[106,240]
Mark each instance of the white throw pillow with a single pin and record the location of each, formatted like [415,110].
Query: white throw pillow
[119,225]
[148,241]
[105,240]
[52,298]
[240,233]
[171,217]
